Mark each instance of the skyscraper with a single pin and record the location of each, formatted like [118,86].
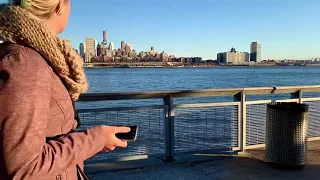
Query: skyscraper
[131,47]
[247,57]
[104,49]
[164,56]
[90,49]
[255,52]
[99,49]
[152,51]
[111,46]
[95,46]
[105,38]
[127,48]
[122,45]
[82,49]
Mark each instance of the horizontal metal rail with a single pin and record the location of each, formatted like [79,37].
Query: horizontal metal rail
[197,93]
[122,108]
[207,105]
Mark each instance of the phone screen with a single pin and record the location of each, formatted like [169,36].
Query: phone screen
[132,135]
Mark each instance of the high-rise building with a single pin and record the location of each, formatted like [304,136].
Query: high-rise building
[127,48]
[110,53]
[82,49]
[99,50]
[95,46]
[247,57]
[104,49]
[90,49]
[122,45]
[255,52]
[111,46]
[164,56]
[157,55]
[133,54]
[233,57]
[142,54]
[131,47]
[152,52]
[105,38]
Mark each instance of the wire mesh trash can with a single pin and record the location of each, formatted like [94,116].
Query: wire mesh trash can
[286,133]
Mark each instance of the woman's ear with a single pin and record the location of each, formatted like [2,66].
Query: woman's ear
[59,8]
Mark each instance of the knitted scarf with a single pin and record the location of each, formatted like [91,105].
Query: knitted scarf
[17,26]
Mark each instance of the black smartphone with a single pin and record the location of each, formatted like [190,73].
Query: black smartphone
[130,136]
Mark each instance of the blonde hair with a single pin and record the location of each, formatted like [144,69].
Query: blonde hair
[40,9]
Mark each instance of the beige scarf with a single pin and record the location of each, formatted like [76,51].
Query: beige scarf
[17,26]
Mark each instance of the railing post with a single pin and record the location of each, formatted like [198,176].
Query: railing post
[242,117]
[296,95]
[169,126]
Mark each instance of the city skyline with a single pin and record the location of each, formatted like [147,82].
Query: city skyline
[288,29]
[92,50]
[98,48]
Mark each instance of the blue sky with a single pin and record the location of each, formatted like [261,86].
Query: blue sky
[286,28]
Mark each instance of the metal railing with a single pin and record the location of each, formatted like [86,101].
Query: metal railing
[171,129]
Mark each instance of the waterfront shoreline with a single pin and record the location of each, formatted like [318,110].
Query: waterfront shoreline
[201,66]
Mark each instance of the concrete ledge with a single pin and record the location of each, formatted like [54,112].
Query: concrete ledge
[250,165]
[143,163]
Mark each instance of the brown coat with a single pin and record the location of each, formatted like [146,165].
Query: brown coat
[35,105]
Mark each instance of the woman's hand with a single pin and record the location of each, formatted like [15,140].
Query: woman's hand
[111,141]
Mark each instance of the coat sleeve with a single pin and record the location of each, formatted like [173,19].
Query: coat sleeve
[24,108]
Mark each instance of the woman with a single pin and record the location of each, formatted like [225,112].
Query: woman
[40,75]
